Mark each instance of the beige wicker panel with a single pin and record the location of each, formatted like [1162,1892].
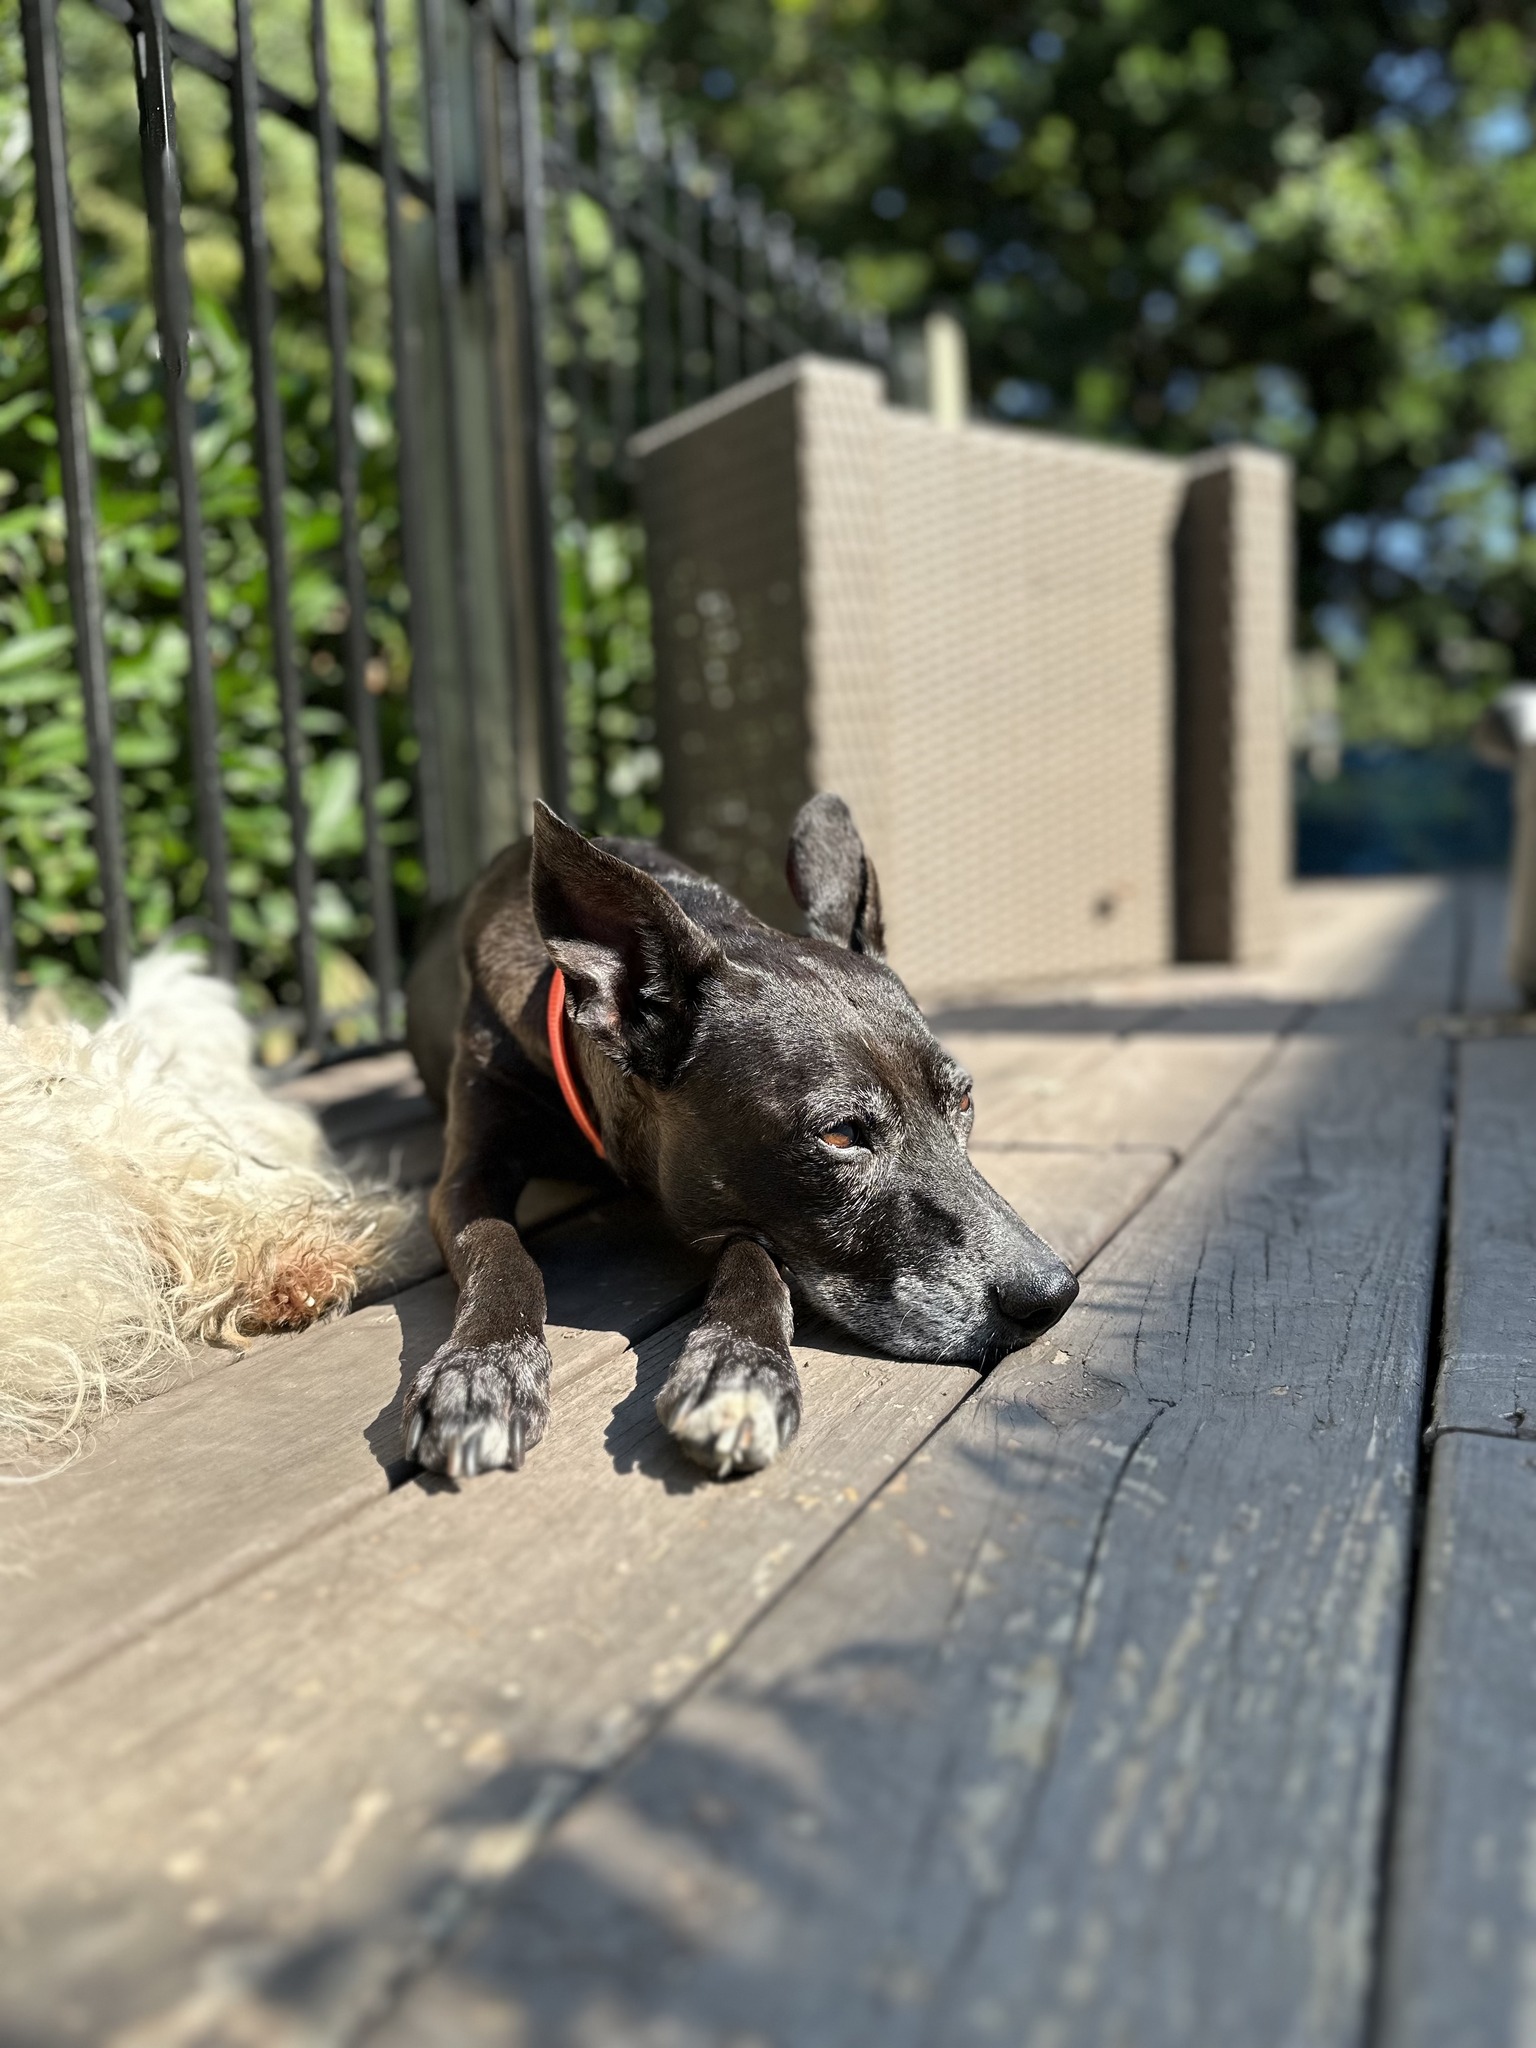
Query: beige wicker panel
[1262,544]
[1233,831]
[970,634]
[719,493]
[1030,585]
[843,509]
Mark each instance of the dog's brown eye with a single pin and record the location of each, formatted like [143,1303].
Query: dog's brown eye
[965,1102]
[841,1136]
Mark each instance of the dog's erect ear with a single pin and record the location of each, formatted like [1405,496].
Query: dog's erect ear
[832,878]
[633,960]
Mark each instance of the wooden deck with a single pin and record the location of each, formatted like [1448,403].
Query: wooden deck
[1110,1701]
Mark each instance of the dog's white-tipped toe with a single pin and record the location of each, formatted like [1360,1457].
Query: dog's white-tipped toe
[734,1430]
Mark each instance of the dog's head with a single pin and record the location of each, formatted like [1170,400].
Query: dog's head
[789,1091]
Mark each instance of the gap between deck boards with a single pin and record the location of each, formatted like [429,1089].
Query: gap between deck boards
[521,1835]
[314,1376]
[584,1943]
[1458,1951]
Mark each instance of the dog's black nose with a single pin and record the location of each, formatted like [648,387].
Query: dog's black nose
[1033,1301]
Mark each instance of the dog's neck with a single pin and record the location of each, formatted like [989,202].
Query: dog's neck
[619,1104]
[567,1076]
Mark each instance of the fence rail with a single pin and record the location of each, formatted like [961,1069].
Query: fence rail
[522,362]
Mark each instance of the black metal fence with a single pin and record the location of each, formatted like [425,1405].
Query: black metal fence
[563,268]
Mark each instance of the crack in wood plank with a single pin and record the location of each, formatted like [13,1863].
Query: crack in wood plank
[1229,1657]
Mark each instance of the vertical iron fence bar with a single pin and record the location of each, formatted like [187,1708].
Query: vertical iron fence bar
[690,299]
[621,375]
[272,471]
[829,297]
[724,249]
[71,389]
[494,86]
[384,943]
[571,273]
[527,200]
[445,220]
[749,218]
[162,194]
[659,377]
[806,274]
[779,259]
[405,356]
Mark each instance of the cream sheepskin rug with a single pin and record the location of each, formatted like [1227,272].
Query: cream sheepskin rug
[154,1194]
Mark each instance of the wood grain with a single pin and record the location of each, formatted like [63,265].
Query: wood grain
[295,1657]
[301,1729]
[1151,1073]
[1080,1735]
[1489,991]
[1488,1365]
[1075,1197]
[1460,1959]
[284,1794]
[260,1451]
[1460,1969]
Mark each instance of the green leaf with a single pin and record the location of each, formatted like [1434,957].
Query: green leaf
[332,791]
[34,650]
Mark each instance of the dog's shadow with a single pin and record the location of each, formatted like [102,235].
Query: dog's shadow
[426,1316]
[636,1441]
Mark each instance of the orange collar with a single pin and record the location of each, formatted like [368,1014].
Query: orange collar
[565,1072]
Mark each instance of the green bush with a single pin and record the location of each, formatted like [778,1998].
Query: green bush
[45,819]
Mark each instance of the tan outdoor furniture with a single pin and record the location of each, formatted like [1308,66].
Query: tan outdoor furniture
[1047,675]
[1505,736]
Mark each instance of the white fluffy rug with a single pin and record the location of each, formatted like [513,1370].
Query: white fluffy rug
[154,1194]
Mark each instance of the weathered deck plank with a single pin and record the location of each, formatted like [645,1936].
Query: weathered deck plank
[1077,1197]
[376,1115]
[1155,1082]
[1488,1365]
[1489,991]
[251,1456]
[262,1449]
[1460,1963]
[712,1556]
[712,1560]
[322,1758]
[251,1812]
[1460,1968]
[1080,1736]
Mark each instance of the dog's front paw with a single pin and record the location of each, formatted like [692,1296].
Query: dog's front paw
[731,1404]
[475,1408]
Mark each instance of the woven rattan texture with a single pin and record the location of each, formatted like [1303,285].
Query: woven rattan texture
[1262,820]
[844,501]
[1031,692]
[720,497]
[1233,826]
[970,633]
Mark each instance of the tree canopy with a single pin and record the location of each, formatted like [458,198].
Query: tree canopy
[1167,224]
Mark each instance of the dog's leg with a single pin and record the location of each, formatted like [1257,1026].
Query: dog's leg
[482,1399]
[733,1399]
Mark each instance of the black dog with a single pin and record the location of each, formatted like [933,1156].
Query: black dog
[780,1097]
